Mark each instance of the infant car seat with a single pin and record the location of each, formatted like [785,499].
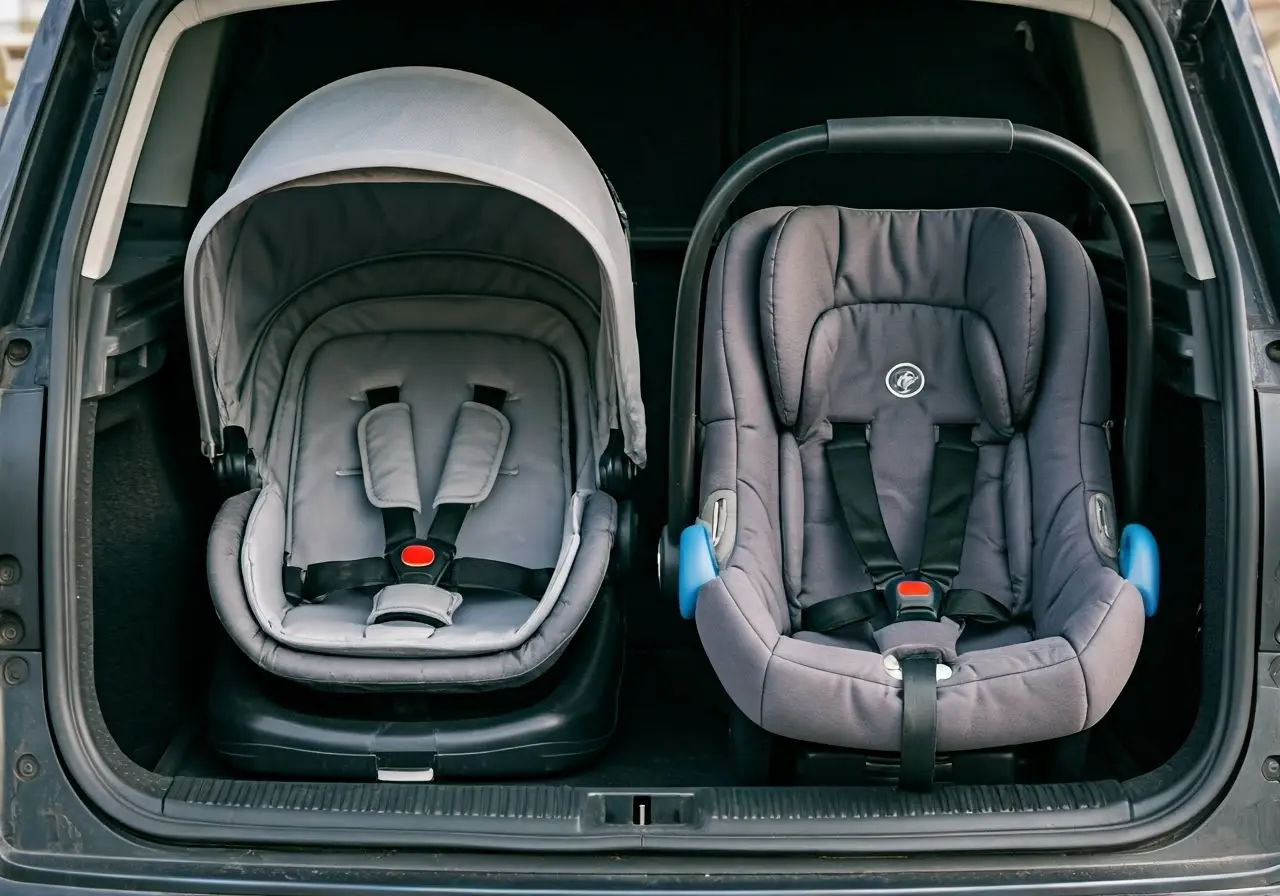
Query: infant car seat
[414,344]
[906,538]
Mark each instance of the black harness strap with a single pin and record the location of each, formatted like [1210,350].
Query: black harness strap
[472,573]
[835,613]
[476,573]
[955,461]
[974,606]
[449,518]
[400,529]
[324,578]
[447,522]
[947,516]
[849,457]
[847,609]
[919,722]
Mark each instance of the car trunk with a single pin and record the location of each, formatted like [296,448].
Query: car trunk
[664,99]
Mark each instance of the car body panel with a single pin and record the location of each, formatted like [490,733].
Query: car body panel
[53,841]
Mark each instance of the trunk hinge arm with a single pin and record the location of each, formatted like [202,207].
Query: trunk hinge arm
[97,14]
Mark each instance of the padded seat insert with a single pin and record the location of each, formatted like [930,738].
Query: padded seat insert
[435,373]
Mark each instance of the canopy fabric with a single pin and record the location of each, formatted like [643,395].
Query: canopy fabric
[398,164]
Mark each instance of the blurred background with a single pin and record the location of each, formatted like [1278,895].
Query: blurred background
[18,20]
[1267,13]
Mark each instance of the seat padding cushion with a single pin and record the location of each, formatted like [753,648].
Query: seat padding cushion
[530,467]
[385,437]
[848,297]
[521,519]
[475,455]
[921,264]
[413,603]
[509,668]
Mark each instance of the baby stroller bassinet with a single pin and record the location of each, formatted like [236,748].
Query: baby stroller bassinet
[413,338]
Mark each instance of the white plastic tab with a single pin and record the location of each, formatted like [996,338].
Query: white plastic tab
[406,775]
[894,668]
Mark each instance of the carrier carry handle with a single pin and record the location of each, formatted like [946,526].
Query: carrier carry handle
[898,135]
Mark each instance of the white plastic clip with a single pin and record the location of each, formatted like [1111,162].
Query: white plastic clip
[894,668]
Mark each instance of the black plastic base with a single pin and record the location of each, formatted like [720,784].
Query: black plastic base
[752,750]
[626,541]
[823,766]
[265,726]
[763,759]
[234,467]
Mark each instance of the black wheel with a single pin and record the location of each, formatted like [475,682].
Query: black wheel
[626,543]
[751,750]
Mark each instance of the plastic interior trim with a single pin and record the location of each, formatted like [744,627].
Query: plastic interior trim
[697,566]
[904,135]
[1140,564]
[105,232]
[166,163]
[1184,213]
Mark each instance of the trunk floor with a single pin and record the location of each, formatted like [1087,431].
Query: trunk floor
[673,727]
[672,732]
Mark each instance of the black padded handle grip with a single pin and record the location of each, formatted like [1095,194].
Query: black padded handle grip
[923,134]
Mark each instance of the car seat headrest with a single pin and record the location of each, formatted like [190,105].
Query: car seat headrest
[824,259]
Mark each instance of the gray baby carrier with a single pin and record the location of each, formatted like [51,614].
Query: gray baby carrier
[905,537]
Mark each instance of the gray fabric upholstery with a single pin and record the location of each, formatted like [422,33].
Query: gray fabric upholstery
[530,519]
[312,250]
[377,342]
[364,345]
[475,455]
[809,312]
[882,267]
[508,668]
[529,469]
[385,438]
[407,160]
[411,604]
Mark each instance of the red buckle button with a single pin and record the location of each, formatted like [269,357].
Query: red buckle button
[418,555]
[914,589]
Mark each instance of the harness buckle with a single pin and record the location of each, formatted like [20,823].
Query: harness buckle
[421,561]
[913,597]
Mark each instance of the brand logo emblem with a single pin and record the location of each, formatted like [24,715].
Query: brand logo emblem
[904,380]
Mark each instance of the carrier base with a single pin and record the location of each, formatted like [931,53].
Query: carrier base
[761,759]
[267,726]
